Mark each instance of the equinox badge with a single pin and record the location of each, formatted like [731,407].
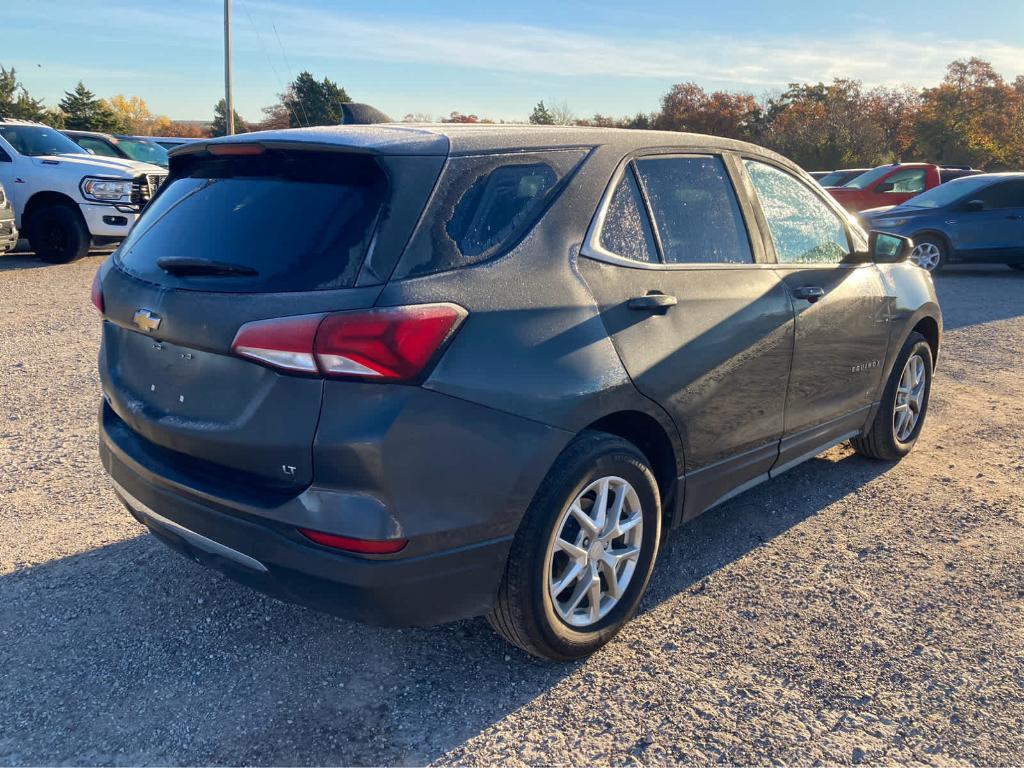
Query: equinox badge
[145,320]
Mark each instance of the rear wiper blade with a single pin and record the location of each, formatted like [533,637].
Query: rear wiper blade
[189,265]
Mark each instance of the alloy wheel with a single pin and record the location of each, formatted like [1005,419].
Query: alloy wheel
[909,398]
[926,255]
[594,550]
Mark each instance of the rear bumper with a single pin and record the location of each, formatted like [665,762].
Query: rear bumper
[450,569]
[419,591]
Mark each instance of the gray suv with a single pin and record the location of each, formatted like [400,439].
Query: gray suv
[416,374]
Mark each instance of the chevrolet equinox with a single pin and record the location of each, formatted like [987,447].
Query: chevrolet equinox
[414,374]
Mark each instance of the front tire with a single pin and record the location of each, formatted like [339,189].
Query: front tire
[897,424]
[930,253]
[58,234]
[583,555]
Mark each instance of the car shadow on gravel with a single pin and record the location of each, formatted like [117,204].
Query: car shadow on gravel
[967,295]
[17,260]
[131,654]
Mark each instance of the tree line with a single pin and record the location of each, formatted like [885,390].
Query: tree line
[973,117]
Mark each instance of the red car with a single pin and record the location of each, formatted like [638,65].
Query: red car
[894,184]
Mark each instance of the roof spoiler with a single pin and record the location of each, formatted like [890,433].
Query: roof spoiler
[355,113]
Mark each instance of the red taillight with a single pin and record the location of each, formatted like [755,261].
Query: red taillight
[285,342]
[362,546]
[389,344]
[97,292]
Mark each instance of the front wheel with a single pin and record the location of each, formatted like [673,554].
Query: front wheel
[58,234]
[897,424]
[930,253]
[583,555]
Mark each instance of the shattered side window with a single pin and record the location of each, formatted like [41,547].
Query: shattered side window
[626,230]
[483,206]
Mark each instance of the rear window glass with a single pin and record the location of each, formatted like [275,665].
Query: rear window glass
[302,220]
[483,206]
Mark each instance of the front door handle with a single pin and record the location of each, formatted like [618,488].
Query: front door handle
[809,293]
[653,301]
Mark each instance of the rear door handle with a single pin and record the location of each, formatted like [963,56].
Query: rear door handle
[653,301]
[809,293]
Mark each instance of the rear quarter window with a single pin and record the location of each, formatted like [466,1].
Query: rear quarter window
[483,206]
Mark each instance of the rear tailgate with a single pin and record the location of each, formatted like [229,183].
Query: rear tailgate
[294,228]
[180,387]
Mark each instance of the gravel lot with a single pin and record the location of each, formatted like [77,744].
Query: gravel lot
[847,612]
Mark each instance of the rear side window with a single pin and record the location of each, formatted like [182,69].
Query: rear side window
[626,230]
[483,206]
[1006,194]
[804,229]
[695,210]
[302,220]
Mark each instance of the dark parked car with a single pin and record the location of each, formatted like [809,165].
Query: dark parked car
[841,177]
[8,230]
[970,219]
[125,147]
[411,375]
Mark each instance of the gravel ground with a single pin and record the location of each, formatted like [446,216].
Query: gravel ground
[847,612]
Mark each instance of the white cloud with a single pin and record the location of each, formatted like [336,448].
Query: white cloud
[756,62]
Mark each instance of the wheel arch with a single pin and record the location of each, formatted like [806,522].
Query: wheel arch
[928,327]
[939,235]
[655,440]
[45,199]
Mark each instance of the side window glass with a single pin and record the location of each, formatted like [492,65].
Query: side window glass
[910,181]
[497,204]
[4,157]
[98,147]
[1008,194]
[803,228]
[626,230]
[695,210]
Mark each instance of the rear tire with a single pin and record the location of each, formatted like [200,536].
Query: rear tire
[58,234]
[891,436]
[552,544]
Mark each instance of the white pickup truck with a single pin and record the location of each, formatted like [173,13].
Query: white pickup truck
[66,200]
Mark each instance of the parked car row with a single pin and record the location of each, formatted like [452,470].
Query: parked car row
[66,199]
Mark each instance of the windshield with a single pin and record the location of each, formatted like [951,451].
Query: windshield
[865,180]
[36,140]
[944,194]
[833,179]
[144,150]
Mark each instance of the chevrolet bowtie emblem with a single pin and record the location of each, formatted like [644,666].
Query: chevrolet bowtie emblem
[145,320]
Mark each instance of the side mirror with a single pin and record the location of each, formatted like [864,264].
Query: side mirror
[889,249]
[885,186]
[974,206]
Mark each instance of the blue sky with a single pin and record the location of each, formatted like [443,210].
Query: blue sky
[493,59]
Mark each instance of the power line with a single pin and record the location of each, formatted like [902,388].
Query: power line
[291,76]
[270,61]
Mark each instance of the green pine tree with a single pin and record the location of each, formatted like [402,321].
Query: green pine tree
[542,115]
[15,101]
[219,126]
[84,112]
[314,103]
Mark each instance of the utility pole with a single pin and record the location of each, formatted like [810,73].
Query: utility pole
[228,101]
